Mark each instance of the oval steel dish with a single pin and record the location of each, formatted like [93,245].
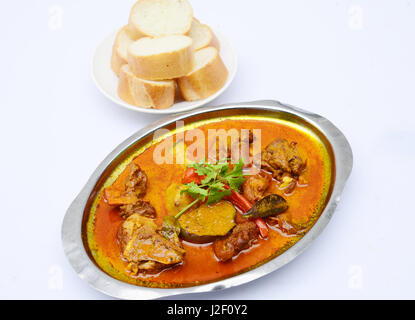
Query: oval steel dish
[72,238]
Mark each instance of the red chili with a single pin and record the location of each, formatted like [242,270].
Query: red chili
[243,204]
[239,200]
[262,227]
[190,175]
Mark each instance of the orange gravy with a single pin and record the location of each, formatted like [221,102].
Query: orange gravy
[200,264]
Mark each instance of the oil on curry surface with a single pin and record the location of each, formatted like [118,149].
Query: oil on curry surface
[305,198]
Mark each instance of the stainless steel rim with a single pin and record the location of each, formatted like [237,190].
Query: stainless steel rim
[72,224]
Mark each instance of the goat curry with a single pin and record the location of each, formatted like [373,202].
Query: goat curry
[175,225]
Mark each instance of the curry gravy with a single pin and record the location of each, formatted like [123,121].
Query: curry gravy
[200,264]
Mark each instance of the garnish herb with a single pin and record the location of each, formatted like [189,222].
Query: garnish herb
[218,182]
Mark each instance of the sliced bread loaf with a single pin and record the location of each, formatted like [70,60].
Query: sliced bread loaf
[145,93]
[119,50]
[208,76]
[202,36]
[161,58]
[157,18]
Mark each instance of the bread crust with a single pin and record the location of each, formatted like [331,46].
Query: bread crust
[143,93]
[124,87]
[214,42]
[116,61]
[117,58]
[211,40]
[206,81]
[162,66]
[133,32]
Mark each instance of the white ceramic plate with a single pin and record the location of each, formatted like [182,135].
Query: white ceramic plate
[107,81]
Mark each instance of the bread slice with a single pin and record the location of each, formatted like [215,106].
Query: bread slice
[161,58]
[156,18]
[145,93]
[202,36]
[119,50]
[134,33]
[208,76]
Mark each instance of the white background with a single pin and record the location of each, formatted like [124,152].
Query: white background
[350,61]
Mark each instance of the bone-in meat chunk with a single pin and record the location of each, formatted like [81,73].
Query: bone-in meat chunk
[282,158]
[144,248]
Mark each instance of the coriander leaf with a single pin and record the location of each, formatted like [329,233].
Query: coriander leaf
[217,191]
[210,176]
[237,169]
[235,177]
[217,196]
[201,168]
[235,182]
[217,186]
[221,168]
[195,191]
[217,176]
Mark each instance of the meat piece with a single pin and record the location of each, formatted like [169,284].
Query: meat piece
[141,207]
[281,157]
[240,239]
[137,181]
[144,248]
[297,165]
[128,191]
[254,187]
